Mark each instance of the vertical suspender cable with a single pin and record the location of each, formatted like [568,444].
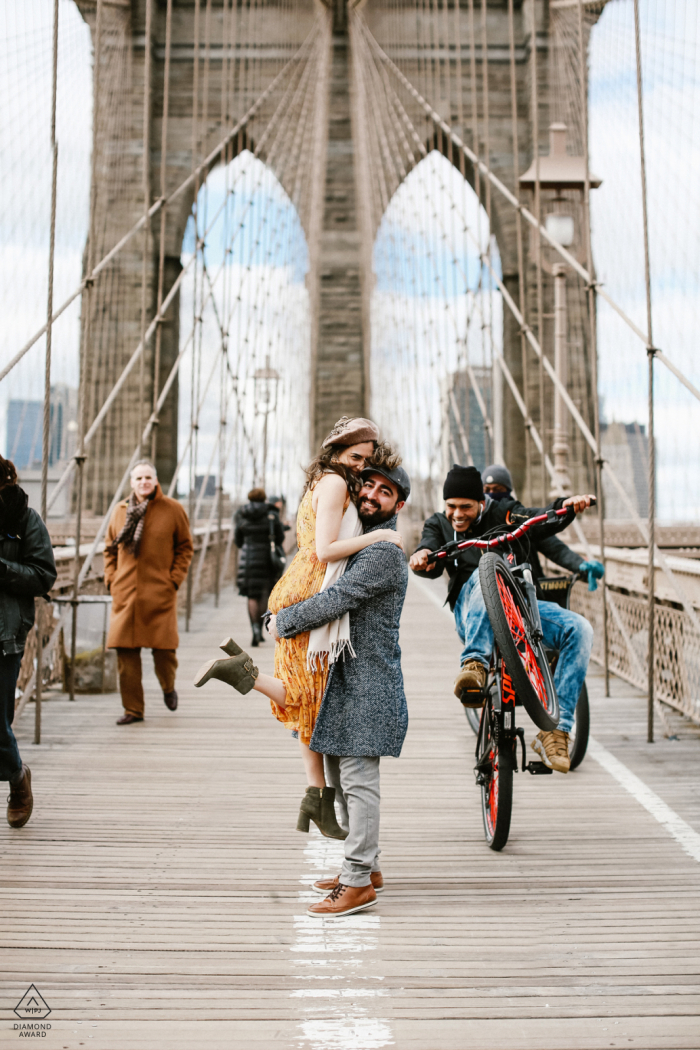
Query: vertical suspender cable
[496,451]
[650,365]
[519,242]
[146,176]
[47,364]
[163,218]
[535,117]
[224,400]
[194,415]
[593,335]
[86,306]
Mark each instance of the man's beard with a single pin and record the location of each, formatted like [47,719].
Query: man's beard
[371,513]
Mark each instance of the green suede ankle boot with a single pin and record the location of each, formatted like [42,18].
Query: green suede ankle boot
[239,672]
[318,805]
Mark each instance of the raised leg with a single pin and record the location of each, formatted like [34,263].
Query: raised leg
[272,688]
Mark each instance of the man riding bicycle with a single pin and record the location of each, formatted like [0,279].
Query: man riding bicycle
[471,514]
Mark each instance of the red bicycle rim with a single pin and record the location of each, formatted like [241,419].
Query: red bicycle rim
[526,653]
[492,803]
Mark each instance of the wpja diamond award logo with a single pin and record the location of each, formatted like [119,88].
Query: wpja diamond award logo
[32,1010]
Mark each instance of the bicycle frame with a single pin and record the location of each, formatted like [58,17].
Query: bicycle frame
[502,700]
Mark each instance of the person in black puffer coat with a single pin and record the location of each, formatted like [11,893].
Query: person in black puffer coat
[257,525]
[27,571]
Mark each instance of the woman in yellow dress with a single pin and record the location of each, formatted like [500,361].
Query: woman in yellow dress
[328,533]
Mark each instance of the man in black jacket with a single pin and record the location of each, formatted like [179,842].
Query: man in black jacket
[27,571]
[469,513]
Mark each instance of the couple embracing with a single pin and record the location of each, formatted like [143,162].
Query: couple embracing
[335,619]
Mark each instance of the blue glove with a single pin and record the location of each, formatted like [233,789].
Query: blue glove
[595,572]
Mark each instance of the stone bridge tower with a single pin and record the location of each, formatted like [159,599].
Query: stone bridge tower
[340,278]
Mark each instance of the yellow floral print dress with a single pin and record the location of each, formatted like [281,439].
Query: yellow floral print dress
[302,579]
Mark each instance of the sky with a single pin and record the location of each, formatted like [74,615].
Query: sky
[670,41]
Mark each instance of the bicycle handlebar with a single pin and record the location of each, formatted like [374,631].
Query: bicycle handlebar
[451,548]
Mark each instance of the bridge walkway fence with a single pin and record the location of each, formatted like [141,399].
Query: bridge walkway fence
[157,898]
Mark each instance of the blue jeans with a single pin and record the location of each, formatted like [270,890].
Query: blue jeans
[563,630]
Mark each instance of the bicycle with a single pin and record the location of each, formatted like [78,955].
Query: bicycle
[520,673]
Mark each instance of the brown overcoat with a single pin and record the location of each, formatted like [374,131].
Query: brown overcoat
[144,589]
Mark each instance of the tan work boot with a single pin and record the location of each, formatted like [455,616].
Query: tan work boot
[344,900]
[471,679]
[20,801]
[326,885]
[553,749]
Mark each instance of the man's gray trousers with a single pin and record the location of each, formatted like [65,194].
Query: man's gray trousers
[356,783]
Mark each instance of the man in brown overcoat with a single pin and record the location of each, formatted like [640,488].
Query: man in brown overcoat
[148,549]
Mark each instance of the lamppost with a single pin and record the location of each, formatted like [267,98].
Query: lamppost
[265,392]
[561,482]
[563,174]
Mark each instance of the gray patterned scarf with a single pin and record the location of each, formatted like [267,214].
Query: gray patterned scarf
[132,530]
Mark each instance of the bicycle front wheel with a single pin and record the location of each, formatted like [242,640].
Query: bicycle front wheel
[495,766]
[513,630]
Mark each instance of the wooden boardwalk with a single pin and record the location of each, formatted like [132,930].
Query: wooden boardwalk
[157,897]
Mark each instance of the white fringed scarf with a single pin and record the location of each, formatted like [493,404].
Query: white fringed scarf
[334,638]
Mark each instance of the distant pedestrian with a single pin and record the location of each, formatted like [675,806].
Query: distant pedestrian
[27,571]
[258,530]
[148,549]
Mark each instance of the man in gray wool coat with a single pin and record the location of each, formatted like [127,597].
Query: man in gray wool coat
[363,714]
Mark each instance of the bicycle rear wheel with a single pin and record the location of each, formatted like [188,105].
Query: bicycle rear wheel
[473,718]
[513,630]
[495,766]
[582,728]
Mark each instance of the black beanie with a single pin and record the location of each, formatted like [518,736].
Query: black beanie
[463,483]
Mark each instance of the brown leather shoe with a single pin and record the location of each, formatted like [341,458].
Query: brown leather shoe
[20,801]
[344,900]
[127,720]
[170,700]
[326,885]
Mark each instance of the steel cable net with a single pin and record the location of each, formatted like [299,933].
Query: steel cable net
[670,48]
[251,339]
[439,47]
[243,104]
[244,90]
[435,313]
[25,172]
[430,77]
[423,83]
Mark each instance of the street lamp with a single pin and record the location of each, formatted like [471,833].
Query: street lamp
[266,382]
[559,174]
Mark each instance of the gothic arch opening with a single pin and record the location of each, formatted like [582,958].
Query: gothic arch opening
[245,332]
[436,326]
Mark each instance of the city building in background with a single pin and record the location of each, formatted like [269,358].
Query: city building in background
[23,442]
[464,434]
[24,429]
[625,446]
